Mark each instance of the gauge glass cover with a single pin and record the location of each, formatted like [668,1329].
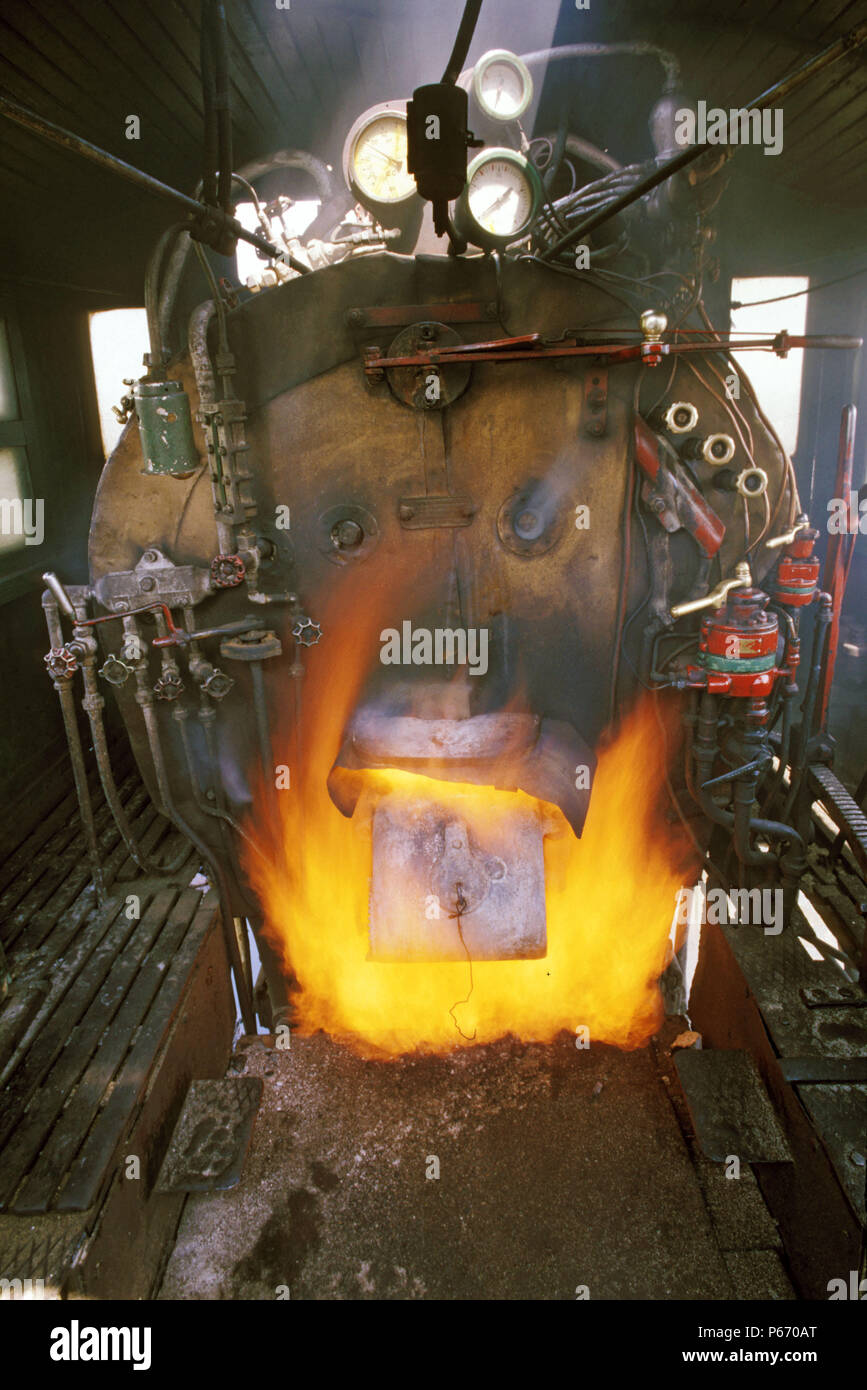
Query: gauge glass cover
[500,198]
[503,85]
[378,162]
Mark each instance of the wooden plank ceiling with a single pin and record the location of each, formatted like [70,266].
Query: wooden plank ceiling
[300,76]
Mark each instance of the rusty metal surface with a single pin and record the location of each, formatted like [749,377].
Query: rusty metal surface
[447,885]
[396,315]
[730,1107]
[324,444]
[212,1135]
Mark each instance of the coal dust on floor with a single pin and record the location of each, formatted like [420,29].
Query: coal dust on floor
[509,1171]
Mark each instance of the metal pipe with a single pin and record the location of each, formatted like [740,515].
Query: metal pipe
[181,715]
[464,38]
[823,619]
[263,729]
[222,105]
[76,752]
[197,340]
[65,139]
[848,43]
[667,59]
[836,571]
[93,704]
[158,346]
[243,984]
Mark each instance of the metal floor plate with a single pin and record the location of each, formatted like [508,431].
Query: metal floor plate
[730,1108]
[212,1136]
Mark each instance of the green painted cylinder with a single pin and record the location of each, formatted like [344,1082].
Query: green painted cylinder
[166,428]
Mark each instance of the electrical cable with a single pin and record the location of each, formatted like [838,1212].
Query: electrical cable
[796,294]
[464,38]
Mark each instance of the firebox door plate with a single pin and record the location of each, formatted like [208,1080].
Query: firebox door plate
[431,859]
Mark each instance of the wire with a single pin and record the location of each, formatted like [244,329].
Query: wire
[456,916]
[796,294]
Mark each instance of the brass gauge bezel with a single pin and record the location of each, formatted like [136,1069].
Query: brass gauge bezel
[374,204]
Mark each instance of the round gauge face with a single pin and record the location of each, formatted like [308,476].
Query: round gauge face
[502,85]
[501,198]
[377,161]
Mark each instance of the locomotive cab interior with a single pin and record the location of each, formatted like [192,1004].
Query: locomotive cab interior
[432,753]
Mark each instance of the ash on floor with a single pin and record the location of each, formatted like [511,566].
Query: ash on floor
[510,1171]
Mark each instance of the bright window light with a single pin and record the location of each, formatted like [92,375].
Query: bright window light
[296,218]
[8,393]
[777,380]
[118,342]
[16,510]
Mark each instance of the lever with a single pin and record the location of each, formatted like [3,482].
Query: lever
[742,580]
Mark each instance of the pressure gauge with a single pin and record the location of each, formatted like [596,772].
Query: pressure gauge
[374,157]
[502,85]
[500,201]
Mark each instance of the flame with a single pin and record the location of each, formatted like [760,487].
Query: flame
[610,896]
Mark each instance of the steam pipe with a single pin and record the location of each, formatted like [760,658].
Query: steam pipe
[741,823]
[823,619]
[836,571]
[76,752]
[222,104]
[197,339]
[158,346]
[181,715]
[65,139]
[210,156]
[667,59]
[263,730]
[94,704]
[145,700]
[854,39]
[464,38]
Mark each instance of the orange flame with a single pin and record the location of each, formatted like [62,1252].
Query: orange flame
[610,896]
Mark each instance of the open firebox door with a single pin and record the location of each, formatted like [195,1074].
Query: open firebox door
[457,827]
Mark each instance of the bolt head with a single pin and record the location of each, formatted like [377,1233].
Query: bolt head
[347,534]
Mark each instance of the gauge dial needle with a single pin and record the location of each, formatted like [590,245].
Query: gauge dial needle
[398,164]
[497,203]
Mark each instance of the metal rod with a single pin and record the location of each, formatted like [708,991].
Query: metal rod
[263,729]
[837,558]
[849,42]
[67,140]
[76,752]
